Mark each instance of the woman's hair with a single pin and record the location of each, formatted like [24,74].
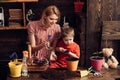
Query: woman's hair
[52,9]
[67,31]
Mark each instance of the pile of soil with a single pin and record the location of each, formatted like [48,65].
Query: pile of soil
[59,74]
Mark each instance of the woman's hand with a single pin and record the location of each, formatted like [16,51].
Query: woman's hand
[53,56]
[45,44]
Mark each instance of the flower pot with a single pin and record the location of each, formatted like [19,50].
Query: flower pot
[15,69]
[78,6]
[96,63]
[72,63]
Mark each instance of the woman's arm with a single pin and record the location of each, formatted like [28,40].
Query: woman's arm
[33,43]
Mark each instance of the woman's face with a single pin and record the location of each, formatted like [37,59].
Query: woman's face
[68,40]
[52,19]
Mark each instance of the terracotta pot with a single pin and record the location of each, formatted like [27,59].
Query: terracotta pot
[72,63]
[78,6]
[96,63]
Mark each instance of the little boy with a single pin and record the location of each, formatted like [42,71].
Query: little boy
[66,48]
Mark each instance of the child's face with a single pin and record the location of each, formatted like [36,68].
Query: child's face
[52,19]
[68,40]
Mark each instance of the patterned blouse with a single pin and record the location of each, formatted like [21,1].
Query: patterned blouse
[41,34]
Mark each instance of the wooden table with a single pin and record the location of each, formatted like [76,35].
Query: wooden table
[63,74]
[50,74]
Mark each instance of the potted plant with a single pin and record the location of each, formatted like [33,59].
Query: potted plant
[96,60]
[78,5]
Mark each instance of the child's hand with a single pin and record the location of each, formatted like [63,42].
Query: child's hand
[61,49]
[66,52]
[53,56]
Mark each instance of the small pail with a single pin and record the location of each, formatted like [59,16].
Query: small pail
[15,69]
[72,63]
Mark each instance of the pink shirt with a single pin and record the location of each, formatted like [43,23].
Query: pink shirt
[41,34]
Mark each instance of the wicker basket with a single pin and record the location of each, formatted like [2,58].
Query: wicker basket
[34,68]
[38,66]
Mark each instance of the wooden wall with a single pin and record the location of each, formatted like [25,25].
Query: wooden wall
[12,41]
[99,11]
[15,40]
[89,33]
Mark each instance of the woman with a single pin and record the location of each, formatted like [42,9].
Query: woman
[44,32]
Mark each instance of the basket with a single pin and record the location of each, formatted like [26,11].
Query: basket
[38,66]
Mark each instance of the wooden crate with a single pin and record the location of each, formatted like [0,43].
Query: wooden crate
[111,30]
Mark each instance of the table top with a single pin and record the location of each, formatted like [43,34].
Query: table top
[50,74]
[64,74]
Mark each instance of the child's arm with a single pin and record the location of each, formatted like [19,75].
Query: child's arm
[65,51]
[60,49]
[72,55]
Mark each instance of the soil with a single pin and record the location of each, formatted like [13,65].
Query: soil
[58,74]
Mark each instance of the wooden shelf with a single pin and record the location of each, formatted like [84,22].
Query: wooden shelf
[19,1]
[12,28]
[23,8]
[27,0]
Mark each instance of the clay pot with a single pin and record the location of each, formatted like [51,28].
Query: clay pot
[96,62]
[72,63]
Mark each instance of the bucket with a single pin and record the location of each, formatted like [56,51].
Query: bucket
[96,63]
[72,63]
[15,69]
[78,6]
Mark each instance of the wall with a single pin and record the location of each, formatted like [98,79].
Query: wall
[15,40]
[12,41]
[99,11]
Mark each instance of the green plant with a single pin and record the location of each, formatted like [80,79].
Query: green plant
[97,54]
